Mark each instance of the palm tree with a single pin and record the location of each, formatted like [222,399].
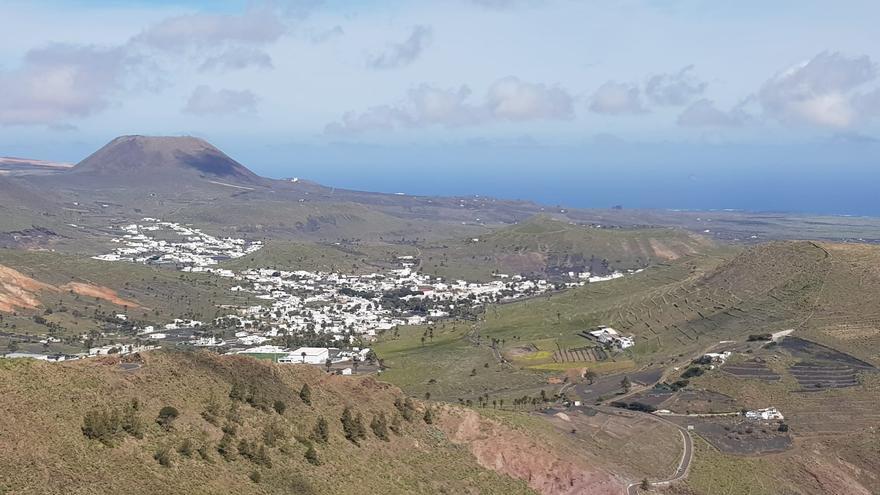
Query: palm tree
[303,354]
[328,363]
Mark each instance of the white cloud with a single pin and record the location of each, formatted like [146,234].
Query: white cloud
[237,57]
[208,101]
[255,26]
[675,89]
[508,99]
[614,98]
[704,113]
[403,53]
[512,99]
[61,81]
[818,91]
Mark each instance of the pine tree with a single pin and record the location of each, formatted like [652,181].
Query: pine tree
[359,426]
[379,425]
[349,428]
[306,394]
[321,431]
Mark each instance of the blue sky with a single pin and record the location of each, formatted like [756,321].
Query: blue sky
[541,99]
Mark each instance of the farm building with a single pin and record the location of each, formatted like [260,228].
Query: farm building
[767,414]
[307,355]
[611,338]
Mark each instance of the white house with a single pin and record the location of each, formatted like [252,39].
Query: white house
[770,413]
[610,337]
[308,355]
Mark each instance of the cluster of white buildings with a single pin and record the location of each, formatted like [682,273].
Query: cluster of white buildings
[610,337]
[298,301]
[339,304]
[185,246]
[768,414]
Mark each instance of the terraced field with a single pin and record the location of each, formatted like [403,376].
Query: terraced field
[757,370]
[813,377]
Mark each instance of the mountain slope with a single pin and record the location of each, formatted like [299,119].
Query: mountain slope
[162,158]
[546,246]
[241,427]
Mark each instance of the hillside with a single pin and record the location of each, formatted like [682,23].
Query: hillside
[546,246]
[243,426]
[162,157]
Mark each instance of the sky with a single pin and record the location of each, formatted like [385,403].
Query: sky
[658,104]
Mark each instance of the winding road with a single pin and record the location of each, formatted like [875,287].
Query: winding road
[687,455]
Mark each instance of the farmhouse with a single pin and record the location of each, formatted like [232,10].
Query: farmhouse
[770,413]
[611,338]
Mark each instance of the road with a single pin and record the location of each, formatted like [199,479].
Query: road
[687,454]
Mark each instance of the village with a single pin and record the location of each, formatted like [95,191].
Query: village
[303,316]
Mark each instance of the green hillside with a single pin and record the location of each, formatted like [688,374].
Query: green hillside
[545,246]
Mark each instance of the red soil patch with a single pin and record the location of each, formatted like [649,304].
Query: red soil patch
[104,293]
[17,290]
[520,456]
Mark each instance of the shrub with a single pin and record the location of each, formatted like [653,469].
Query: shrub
[166,417]
[352,427]
[312,456]
[132,423]
[280,406]
[395,425]
[164,456]
[379,425]
[272,433]
[186,448]
[255,476]
[429,416]
[204,453]
[321,431]
[103,425]
[306,394]
[226,448]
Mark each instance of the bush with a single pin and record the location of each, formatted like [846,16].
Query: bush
[312,456]
[692,372]
[353,427]
[186,448]
[306,394]
[759,336]
[280,406]
[226,448]
[429,416]
[204,453]
[321,431]
[103,425]
[166,417]
[255,476]
[395,425]
[379,425]
[132,423]
[164,456]
[273,433]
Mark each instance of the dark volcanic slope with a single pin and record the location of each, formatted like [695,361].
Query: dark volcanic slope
[163,158]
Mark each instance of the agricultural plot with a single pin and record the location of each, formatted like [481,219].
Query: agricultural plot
[580,355]
[739,436]
[627,441]
[813,377]
[756,370]
[701,402]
